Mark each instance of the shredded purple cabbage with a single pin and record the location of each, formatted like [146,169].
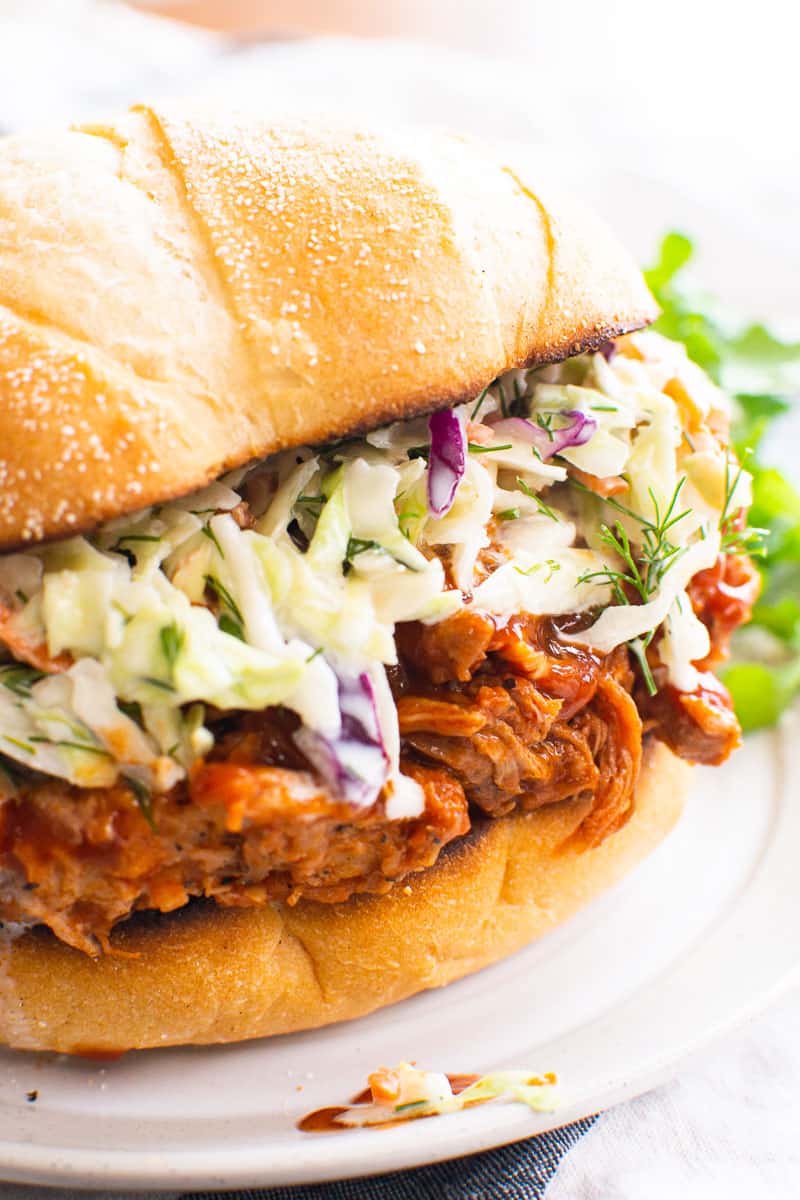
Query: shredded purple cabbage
[608,350]
[447,461]
[549,441]
[354,765]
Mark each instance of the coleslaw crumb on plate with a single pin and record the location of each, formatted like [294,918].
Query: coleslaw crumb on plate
[404,1093]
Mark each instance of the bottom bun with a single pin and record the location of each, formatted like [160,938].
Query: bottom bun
[208,974]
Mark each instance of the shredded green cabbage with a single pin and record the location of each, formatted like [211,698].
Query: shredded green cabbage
[272,585]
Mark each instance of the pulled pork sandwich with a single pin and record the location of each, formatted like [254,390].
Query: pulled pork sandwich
[363,574]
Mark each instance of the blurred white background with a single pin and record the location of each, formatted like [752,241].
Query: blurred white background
[660,113]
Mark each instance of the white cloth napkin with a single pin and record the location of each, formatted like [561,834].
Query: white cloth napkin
[727,1127]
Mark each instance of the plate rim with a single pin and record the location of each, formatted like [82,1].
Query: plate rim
[512,1124]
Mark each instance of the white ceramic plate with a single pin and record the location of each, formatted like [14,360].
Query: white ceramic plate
[703,934]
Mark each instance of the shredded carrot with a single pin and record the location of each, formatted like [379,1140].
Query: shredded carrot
[612,485]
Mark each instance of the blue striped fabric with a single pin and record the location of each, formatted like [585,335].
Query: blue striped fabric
[518,1172]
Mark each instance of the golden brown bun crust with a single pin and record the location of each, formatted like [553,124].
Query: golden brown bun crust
[178,297]
[207,974]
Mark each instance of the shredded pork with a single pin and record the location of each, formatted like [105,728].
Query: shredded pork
[492,720]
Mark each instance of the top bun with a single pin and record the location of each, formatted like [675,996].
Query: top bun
[178,297]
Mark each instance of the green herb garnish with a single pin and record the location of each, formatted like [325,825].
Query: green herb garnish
[12,741]
[747,540]
[208,532]
[19,679]
[543,508]
[762,373]
[644,573]
[229,625]
[67,745]
[172,639]
[138,537]
[143,799]
[313,503]
[161,684]
[478,403]
[550,563]
[359,546]
[224,596]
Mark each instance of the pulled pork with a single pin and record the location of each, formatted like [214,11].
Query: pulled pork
[559,722]
[79,860]
[492,720]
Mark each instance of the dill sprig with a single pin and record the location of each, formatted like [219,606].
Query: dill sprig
[313,504]
[143,799]
[223,595]
[208,532]
[474,448]
[552,566]
[543,508]
[359,546]
[657,553]
[19,679]
[479,403]
[641,575]
[172,639]
[749,539]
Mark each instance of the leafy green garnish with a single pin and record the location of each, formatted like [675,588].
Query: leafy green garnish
[762,373]
[761,691]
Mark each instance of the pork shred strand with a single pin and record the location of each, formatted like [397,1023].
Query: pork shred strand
[613,730]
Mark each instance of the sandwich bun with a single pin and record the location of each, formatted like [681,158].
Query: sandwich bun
[179,297]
